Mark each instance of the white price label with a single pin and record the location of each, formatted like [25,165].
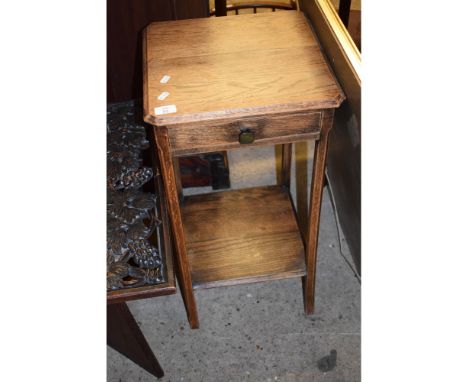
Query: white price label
[163,96]
[168,109]
[165,79]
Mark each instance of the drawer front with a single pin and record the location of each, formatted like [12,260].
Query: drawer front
[214,136]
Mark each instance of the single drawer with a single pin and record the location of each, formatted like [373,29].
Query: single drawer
[244,132]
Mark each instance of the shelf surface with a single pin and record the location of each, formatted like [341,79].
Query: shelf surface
[232,67]
[242,236]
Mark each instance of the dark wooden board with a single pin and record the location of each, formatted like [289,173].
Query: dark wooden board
[125,21]
[242,236]
[125,336]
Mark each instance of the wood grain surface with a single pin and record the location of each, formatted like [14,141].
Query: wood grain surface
[170,185]
[242,236]
[232,67]
[315,205]
[266,70]
[220,135]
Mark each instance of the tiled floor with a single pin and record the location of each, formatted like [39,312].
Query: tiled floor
[258,332]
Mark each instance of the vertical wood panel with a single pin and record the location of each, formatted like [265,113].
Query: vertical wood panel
[125,21]
[191,9]
[125,336]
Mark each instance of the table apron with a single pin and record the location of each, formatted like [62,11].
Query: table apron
[267,130]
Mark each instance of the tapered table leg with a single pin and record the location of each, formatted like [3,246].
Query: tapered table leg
[170,185]
[178,179]
[286,156]
[318,175]
[124,335]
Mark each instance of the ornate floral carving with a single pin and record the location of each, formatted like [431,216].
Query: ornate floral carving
[129,207]
[132,259]
[130,179]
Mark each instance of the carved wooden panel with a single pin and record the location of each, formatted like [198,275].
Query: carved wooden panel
[132,259]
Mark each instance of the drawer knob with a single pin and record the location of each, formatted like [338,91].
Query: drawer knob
[246,136]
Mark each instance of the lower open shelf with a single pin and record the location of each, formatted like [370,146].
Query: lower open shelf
[242,236]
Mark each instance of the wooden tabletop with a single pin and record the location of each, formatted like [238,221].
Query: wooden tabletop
[230,67]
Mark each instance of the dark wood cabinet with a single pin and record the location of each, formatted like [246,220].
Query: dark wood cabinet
[125,21]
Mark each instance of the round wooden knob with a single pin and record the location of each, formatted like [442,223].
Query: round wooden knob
[246,136]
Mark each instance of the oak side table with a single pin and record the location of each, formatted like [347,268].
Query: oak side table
[226,83]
